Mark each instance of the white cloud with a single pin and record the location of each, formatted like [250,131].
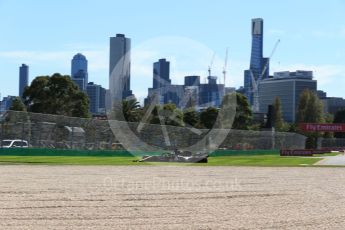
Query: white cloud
[323,73]
[330,78]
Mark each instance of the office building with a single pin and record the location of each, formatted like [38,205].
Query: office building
[23,79]
[161,74]
[191,94]
[332,105]
[6,103]
[211,94]
[102,100]
[258,63]
[192,80]
[162,91]
[288,86]
[79,73]
[108,106]
[229,90]
[321,94]
[119,68]
[164,95]
[96,94]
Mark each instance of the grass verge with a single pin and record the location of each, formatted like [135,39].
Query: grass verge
[261,160]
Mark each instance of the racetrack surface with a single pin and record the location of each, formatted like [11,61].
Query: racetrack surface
[338,160]
[171,197]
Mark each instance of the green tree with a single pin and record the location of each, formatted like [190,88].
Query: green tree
[167,114]
[131,110]
[153,118]
[302,105]
[339,118]
[17,105]
[279,123]
[243,116]
[310,110]
[191,117]
[314,111]
[57,94]
[328,119]
[172,115]
[208,117]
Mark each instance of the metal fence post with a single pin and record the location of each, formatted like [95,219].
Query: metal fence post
[40,135]
[72,141]
[23,127]
[273,138]
[2,133]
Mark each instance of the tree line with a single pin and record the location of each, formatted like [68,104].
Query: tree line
[169,114]
[310,110]
[58,94]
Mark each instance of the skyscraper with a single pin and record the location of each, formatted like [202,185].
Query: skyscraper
[93,91]
[79,72]
[120,68]
[96,95]
[23,78]
[6,103]
[257,62]
[288,86]
[161,74]
[160,92]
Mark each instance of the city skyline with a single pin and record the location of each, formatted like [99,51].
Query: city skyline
[309,42]
[23,78]
[79,73]
[119,68]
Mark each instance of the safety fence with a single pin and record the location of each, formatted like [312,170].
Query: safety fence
[61,132]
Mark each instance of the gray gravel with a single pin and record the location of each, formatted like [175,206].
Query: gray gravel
[102,197]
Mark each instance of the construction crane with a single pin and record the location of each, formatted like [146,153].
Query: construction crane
[211,64]
[256,82]
[269,58]
[225,65]
[255,92]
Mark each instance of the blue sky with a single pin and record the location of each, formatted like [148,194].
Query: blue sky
[46,34]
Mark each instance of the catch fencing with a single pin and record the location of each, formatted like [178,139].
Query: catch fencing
[61,132]
[331,143]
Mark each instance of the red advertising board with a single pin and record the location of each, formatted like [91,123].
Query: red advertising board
[301,152]
[315,127]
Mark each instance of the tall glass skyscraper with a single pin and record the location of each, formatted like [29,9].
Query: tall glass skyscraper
[161,73]
[23,78]
[96,94]
[79,72]
[257,61]
[120,68]
[257,47]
